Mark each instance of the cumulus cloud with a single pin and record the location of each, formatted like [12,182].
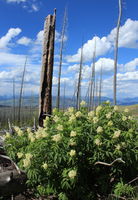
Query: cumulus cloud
[128,34]
[102,47]
[132,65]
[12,32]
[24,41]
[128,38]
[11,59]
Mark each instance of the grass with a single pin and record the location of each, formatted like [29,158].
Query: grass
[28,114]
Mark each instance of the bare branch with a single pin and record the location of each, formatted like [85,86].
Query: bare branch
[135,179]
[109,165]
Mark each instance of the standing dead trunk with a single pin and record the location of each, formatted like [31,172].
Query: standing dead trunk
[116,49]
[64,97]
[79,80]
[45,100]
[13,100]
[21,92]
[60,59]
[100,86]
[92,82]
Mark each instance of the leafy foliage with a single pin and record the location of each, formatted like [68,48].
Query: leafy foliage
[60,158]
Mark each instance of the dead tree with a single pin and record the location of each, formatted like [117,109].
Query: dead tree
[21,92]
[61,55]
[13,100]
[92,81]
[79,80]
[45,99]
[64,97]
[100,86]
[116,49]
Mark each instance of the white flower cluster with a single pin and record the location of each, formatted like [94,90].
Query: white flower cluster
[18,131]
[72,142]
[78,114]
[45,166]
[99,129]
[40,133]
[46,121]
[98,109]
[108,115]
[72,153]
[118,147]
[126,110]
[83,103]
[90,115]
[73,133]
[110,123]
[97,142]
[124,118]
[72,118]
[116,134]
[95,120]
[115,108]
[19,154]
[27,160]
[59,127]
[7,135]
[56,138]
[72,174]
[56,118]
[70,109]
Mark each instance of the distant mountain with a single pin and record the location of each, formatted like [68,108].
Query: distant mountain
[68,101]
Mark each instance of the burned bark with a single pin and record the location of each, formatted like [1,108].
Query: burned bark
[45,100]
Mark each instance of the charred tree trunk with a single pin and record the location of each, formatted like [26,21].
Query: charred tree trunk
[45,100]
[116,49]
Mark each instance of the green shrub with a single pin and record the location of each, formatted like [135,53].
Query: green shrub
[60,158]
[122,189]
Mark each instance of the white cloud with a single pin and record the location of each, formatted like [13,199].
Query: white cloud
[12,32]
[102,47]
[39,37]
[128,76]
[128,38]
[128,34]
[131,66]
[58,37]
[10,59]
[24,41]
[35,7]
[15,1]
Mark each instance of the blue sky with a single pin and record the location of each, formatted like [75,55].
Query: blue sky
[21,34]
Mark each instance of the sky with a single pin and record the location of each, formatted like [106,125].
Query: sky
[90,21]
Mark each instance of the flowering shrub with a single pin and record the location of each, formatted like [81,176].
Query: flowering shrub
[60,159]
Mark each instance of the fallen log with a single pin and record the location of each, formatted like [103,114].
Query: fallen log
[12,179]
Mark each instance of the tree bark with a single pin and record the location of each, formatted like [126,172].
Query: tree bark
[79,80]
[116,49]
[61,55]
[45,99]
